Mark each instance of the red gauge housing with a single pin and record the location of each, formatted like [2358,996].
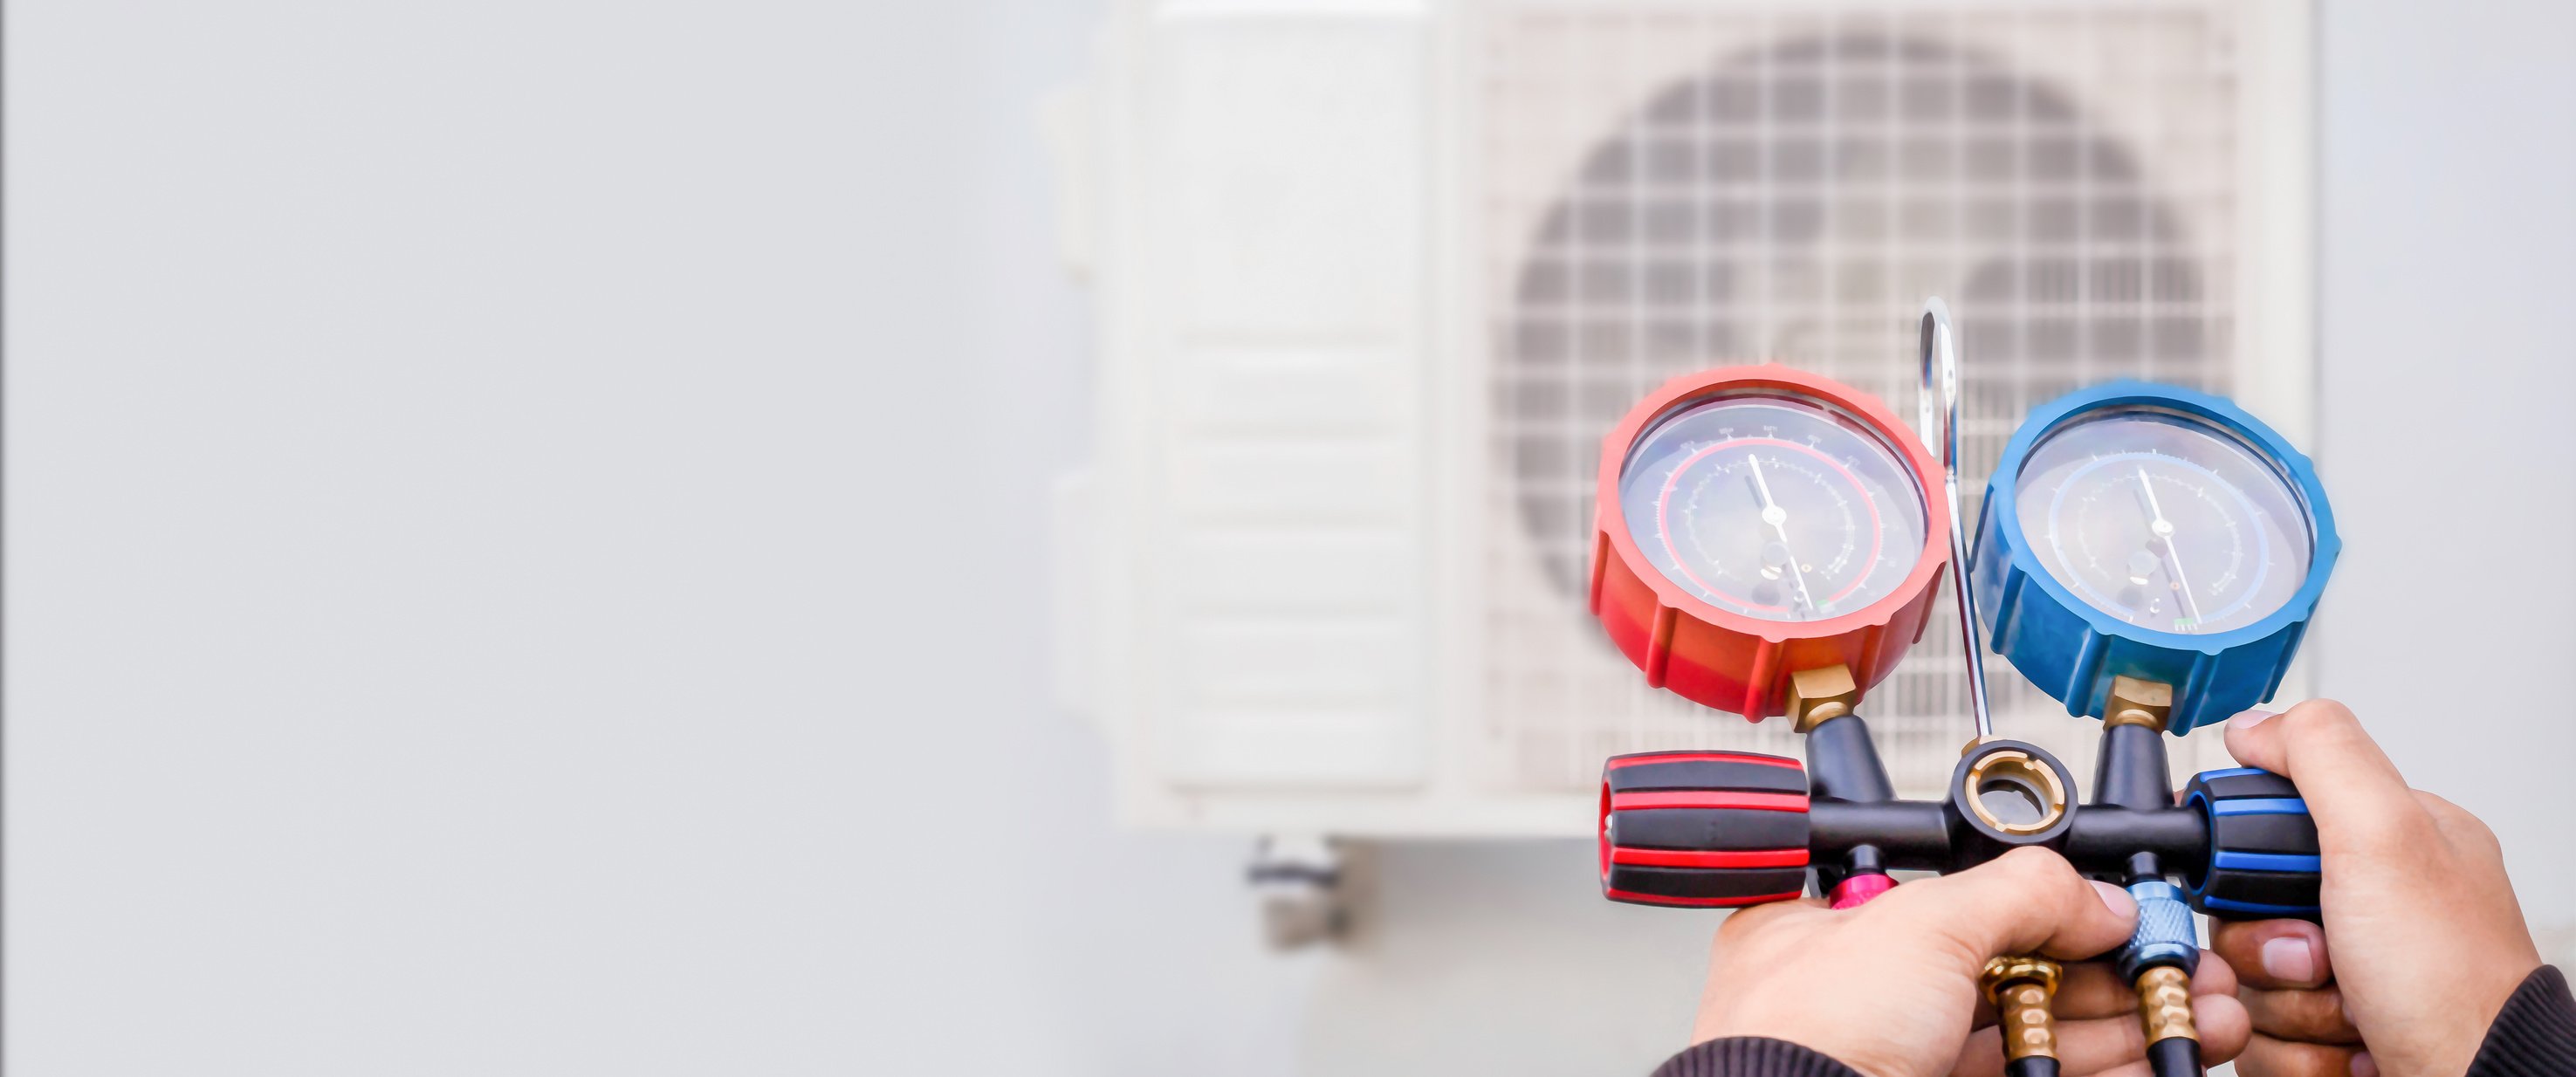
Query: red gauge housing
[1732,661]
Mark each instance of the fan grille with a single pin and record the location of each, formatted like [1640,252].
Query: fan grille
[1669,191]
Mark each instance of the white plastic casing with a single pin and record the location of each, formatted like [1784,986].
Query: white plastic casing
[1365,293]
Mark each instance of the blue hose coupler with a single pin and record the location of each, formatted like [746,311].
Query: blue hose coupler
[2165,933]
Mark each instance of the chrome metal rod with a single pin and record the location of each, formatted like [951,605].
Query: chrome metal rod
[1940,429]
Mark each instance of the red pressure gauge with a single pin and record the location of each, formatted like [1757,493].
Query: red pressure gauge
[1758,521]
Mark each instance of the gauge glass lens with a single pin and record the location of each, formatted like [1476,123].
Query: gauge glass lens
[2164,520]
[1772,506]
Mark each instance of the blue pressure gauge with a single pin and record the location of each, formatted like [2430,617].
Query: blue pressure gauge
[2154,532]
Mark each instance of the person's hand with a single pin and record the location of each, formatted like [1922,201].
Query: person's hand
[2428,940]
[1890,988]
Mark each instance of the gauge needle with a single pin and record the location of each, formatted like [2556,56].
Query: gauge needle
[1778,518]
[2164,530]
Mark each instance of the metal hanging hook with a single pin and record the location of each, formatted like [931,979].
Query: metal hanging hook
[1939,426]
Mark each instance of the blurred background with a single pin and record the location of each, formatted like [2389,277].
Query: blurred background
[793,537]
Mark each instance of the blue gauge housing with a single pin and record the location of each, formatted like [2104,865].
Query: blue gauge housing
[2071,649]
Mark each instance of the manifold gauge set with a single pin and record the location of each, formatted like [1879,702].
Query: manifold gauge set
[1770,542]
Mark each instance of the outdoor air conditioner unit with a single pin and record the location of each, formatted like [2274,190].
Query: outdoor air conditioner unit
[1374,278]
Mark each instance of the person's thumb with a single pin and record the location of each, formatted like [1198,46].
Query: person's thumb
[2351,788]
[2027,900]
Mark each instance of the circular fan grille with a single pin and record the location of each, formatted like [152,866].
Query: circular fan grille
[1797,203]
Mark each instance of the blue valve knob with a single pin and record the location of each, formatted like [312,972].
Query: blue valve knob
[2262,860]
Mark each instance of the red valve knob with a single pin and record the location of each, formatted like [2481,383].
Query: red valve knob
[1704,829]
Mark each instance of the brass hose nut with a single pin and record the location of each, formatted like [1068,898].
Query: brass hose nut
[2004,971]
[2020,987]
[2164,1004]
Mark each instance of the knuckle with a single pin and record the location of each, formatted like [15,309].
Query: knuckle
[2458,823]
[2038,865]
[2322,720]
[2325,714]
[2303,1016]
[2266,1056]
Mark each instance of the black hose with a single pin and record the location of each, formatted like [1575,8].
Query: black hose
[2175,1056]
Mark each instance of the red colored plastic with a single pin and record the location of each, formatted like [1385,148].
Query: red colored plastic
[1714,858]
[1708,798]
[1724,659]
[1856,890]
[1644,759]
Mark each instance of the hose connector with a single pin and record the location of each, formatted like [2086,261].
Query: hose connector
[2165,936]
[2021,987]
[2164,1004]
[2159,959]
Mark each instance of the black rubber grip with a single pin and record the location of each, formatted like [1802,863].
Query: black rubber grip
[1703,829]
[1709,829]
[2243,783]
[1628,774]
[2296,834]
[2262,861]
[2279,889]
[1707,882]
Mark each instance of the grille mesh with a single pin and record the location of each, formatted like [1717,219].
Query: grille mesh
[1670,190]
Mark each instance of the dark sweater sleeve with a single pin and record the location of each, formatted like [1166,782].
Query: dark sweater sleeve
[2535,1034]
[1756,1056]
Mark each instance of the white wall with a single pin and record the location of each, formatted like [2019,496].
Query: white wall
[521,556]
[2449,337]
[492,586]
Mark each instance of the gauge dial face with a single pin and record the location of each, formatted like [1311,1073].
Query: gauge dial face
[2164,520]
[1772,506]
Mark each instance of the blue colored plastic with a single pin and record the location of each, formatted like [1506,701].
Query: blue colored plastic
[2165,934]
[2260,806]
[2072,650]
[2251,909]
[2240,861]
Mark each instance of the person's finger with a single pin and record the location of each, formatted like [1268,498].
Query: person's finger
[2311,1016]
[2349,784]
[2268,1057]
[2223,1025]
[2094,989]
[2273,954]
[2027,900]
[1756,917]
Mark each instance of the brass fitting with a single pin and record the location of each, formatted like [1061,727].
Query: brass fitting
[2137,702]
[2020,987]
[2019,769]
[2164,1004]
[1816,695]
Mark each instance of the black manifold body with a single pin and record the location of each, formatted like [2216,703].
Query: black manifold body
[1725,829]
